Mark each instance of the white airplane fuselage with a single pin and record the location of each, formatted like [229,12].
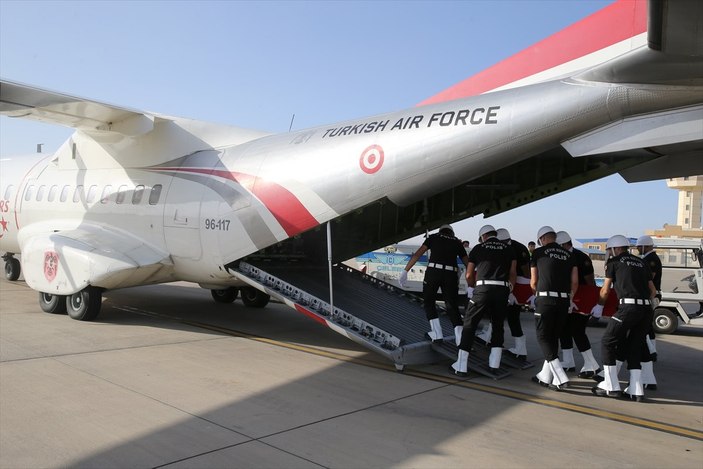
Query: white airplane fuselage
[181,202]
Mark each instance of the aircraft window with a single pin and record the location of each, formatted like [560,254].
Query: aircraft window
[106,194]
[155,194]
[121,193]
[138,193]
[52,193]
[64,193]
[40,193]
[28,193]
[77,195]
[92,192]
[9,192]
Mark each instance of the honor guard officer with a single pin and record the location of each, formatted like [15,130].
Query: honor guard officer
[442,272]
[491,272]
[554,280]
[576,322]
[645,246]
[626,331]
[520,293]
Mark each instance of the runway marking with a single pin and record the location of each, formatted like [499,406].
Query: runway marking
[581,409]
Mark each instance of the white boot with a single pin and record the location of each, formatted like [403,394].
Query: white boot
[461,366]
[559,379]
[635,389]
[590,365]
[567,360]
[457,334]
[494,358]
[520,349]
[545,376]
[435,330]
[485,333]
[610,386]
[648,379]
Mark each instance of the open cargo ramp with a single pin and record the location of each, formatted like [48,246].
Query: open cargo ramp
[375,314]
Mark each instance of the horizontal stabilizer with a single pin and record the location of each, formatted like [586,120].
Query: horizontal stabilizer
[653,130]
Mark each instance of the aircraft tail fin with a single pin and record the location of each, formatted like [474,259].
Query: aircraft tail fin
[611,32]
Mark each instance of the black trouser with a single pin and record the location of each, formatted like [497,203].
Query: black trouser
[550,316]
[514,320]
[575,328]
[491,300]
[625,334]
[448,280]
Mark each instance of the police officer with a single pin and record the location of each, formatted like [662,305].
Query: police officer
[645,247]
[576,320]
[522,257]
[632,280]
[491,272]
[554,281]
[442,272]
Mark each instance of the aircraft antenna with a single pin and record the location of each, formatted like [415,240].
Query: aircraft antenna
[291,122]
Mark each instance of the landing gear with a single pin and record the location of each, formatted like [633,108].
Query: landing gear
[226,295]
[52,304]
[254,298]
[84,305]
[12,267]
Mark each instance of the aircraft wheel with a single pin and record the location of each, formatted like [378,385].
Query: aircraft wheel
[84,305]
[665,321]
[254,298]
[12,269]
[53,304]
[226,295]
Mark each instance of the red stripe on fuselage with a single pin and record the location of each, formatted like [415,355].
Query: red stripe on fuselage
[292,215]
[614,23]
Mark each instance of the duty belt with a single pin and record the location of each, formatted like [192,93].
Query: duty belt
[442,266]
[634,301]
[493,282]
[555,294]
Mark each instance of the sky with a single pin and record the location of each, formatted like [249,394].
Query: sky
[256,64]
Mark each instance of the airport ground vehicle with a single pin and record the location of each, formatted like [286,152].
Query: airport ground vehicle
[682,283]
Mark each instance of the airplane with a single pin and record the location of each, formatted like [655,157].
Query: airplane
[136,198]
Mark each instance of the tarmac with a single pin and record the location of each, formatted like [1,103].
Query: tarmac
[166,377]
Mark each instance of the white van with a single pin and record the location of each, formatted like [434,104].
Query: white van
[682,283]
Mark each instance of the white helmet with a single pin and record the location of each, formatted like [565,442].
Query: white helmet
[503,234]
[645,241]
[447,227]
[544,230]
[617,241]
[563,237]
[485,229]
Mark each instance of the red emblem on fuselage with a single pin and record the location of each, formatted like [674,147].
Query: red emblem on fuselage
[51,265]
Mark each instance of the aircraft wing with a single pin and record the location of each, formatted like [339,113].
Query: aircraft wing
[18,100]
[64,261]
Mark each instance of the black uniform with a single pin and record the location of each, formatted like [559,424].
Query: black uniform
[554,265]
[655,267]
[522,255]
[629,325]
[576,323]
[492,260]
[442,271]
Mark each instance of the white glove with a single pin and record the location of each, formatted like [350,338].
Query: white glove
[511,299]
[597,311]
[655,302]
[470,292]
[531,301]
[403,279]
[573,307]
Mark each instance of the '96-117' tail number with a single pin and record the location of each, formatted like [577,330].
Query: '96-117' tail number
[220,225]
